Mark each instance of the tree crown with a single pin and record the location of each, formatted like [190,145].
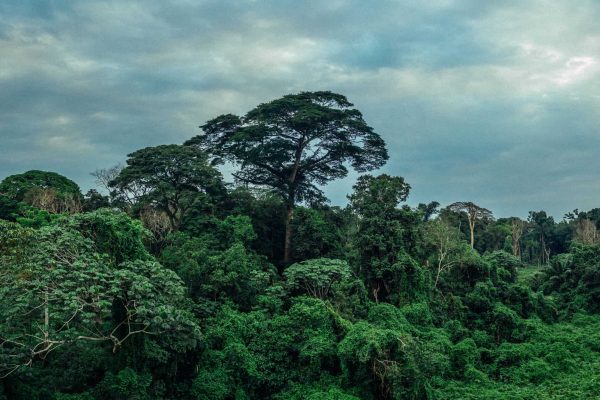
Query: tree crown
[17,186]
[294,143]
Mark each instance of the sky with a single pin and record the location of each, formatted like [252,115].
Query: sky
[495,102]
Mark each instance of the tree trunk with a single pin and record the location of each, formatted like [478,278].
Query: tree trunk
[288,233]
[472,231]
[543,248]
[291,200]
[516,232]
[376,288]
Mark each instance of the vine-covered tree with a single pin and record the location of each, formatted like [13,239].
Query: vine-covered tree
[383,235]
[293,144]
[541,230]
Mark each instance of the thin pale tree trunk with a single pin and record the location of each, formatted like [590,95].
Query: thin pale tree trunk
[472,231]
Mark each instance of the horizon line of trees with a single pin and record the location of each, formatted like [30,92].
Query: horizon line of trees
[533,240]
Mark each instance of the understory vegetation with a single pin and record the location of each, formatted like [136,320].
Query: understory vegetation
[170,283]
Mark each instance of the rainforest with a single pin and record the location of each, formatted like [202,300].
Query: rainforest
[169,281]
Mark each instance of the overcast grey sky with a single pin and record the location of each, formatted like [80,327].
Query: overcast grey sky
[495,102]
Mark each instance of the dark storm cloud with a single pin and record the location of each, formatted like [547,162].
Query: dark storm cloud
[492,102]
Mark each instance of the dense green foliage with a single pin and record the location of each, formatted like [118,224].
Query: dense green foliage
[172,286]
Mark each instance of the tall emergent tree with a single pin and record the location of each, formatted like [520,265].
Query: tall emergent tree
[382,235]
[169,178]
[474,213]
[293,144]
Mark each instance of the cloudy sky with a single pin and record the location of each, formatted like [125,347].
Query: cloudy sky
[495,102]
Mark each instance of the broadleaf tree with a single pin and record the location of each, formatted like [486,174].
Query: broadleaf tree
[56,291]
[45,190]
[171,176]
[294,144]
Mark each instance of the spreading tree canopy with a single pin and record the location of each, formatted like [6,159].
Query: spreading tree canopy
[169,178]
[293,144]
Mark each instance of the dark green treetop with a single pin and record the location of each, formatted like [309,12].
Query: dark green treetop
[17,186]
[377,195]
[384,237]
